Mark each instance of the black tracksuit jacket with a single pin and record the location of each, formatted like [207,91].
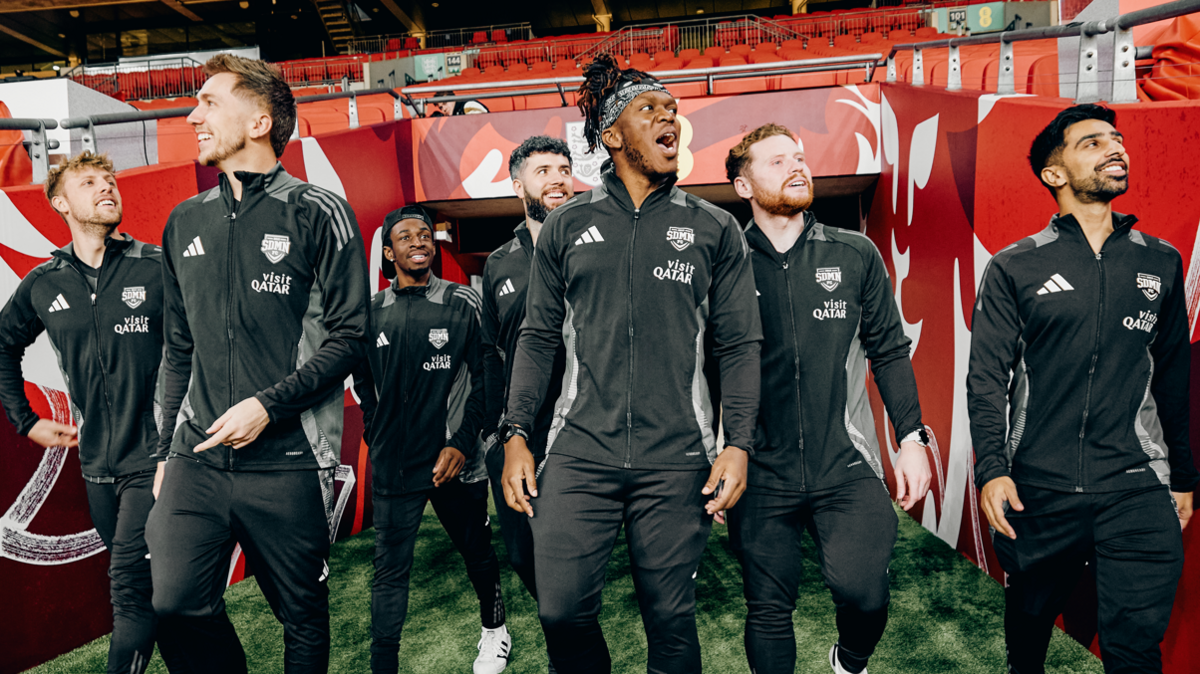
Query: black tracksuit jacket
[630,292]
[827,308]
[265,297]
[505,285]
[109,347]
[421,388]
[1090,354]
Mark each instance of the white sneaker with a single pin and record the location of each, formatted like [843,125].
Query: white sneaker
[494,646]
[836,664]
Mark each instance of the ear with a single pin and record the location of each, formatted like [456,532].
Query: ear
[1054,176]
[611,138]
[518,188]
[260,125]
[59,203]
[742,186]
[388,253]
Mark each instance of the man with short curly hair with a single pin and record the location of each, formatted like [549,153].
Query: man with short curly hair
[99,299]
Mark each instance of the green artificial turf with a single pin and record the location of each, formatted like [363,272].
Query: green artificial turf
[946,615]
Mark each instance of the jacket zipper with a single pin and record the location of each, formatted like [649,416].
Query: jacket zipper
[796,379]
[403,380]
[637,213]
[229,314]
[100,361]
[1087,398]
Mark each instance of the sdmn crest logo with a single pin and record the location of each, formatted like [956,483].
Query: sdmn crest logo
[438,337]
[829,277]
[276,247]
[1150,286]
[680,237]
[134,296]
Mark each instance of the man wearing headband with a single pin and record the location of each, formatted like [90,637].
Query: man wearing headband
[629,277]
[421,393]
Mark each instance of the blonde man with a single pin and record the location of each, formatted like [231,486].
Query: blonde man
[100,300]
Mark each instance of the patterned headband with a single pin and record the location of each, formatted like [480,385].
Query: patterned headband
[616,102]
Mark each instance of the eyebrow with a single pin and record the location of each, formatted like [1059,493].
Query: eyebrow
[1113,134]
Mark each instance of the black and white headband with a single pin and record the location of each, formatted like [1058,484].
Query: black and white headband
[619,99]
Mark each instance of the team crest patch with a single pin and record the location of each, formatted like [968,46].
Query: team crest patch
[829,277]
[134,296]
[438,337]
[276,247]
[680,237]
[1150,286]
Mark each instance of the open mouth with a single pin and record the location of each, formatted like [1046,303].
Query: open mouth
[110,203]
[554,196]
[419,257]
[667,144]
[1116,169]
[796,182]
[203,137]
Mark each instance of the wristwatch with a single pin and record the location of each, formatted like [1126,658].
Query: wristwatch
[918,436]
[508,430]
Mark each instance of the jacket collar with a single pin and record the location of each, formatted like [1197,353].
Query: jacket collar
[253,182]
[1067,225]
[521,232]
[114,245]
[758,239]
[614,187]
[421,291]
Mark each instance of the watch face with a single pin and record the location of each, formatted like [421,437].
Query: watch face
[924,437]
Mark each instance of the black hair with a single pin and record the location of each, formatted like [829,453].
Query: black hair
[1049,144]
[536,145]
[599,80]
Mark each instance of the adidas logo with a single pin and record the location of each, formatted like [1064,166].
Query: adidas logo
[507,288]
[60,304]
[194,248]
[1056,284]
[382,341]
[592,235]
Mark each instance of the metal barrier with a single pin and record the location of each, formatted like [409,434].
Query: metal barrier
[697,34]
[883,21]
[332,70]
[89,123]
[1088,74]
[39,147]
[166,78]
[485,90]
[437,39]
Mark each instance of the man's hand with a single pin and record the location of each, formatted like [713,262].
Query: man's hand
[448,465]
[1183,506]
[519,476]
[238,427]
[995,493]
[49,433]
[912,474]
[158,477]
[729,467]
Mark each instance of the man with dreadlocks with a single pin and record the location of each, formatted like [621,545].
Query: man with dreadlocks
[629,277]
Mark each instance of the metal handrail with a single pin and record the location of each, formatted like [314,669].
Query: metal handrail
[505,89]
[90,122]
[39,147]
[1125,53]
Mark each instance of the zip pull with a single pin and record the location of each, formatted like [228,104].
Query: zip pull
[785,265]
[93,299]
[1099,255]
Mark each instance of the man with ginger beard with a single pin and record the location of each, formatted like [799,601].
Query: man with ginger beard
[1080,332]
[100,300]
[541,173]
[627,278]
[827,308]
[265,315]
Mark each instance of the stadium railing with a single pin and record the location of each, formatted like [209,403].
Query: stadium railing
[39,146]
[90,122]
[457,37]
[1125,53]
[154,78]
[484,90]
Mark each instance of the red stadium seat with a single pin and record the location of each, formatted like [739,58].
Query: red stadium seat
[700,62]
[732,60]
[686,55]
[479,37]
[742,50]
[661,56]
[542,67]
[714,53]
[565,64]
[668,64]
[412,43]
[499,35]
[766,47]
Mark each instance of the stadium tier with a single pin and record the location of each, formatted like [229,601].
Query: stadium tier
[925,151]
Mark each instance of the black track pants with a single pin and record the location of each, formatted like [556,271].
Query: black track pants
[1133,541]
[514,526]
[579,510]
[119,512]
[280,521]
[462,510]
[854,528]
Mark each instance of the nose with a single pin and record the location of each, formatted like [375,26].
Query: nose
[196,117]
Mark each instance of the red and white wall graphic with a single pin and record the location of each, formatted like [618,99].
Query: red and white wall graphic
[953,188]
